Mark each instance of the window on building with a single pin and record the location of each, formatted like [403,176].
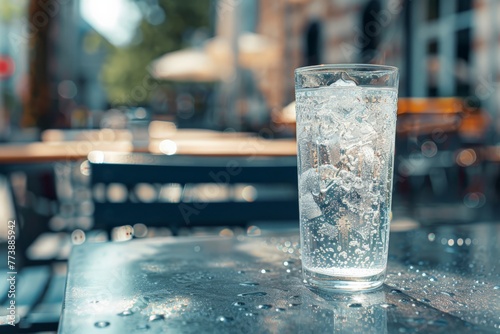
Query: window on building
[313,47]
[432,65]
[464,5]
[441,33]
[462,56]
[369,51]
[433,9]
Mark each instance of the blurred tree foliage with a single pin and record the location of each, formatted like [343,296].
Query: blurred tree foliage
[11,9]
[125,70]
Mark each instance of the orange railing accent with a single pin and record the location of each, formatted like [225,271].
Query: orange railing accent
[426,105]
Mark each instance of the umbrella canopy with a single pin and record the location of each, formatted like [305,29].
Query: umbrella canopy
[186,65]
[255,51]
[215,62]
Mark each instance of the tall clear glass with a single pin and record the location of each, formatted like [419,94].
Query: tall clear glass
[346,122]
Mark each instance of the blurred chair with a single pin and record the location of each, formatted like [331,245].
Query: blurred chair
[182,191]
[419,116]
[437,167]
[39,286]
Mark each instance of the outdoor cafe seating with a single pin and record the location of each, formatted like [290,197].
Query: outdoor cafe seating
[176,191]
[239,212]
[257,166]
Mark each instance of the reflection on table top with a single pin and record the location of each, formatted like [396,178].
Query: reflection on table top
[48,152]
[164,138]
[78,150]
[440,279]
[249,146]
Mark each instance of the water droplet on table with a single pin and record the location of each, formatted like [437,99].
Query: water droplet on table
[396,291]
[385,305]
[264,306]
[416,320]
[238,303]
[439,322]
[263,271]
[249,284]
[293,304]
[250,294]
[102,324]
[355,305]
[446,293]
[280,309]
[224,319]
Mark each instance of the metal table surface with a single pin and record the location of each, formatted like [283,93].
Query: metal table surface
[440,280]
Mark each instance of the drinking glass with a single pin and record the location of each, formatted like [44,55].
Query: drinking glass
[346,122]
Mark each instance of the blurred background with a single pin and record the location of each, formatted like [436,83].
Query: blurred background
[215,77]
[227,65]
[153,75]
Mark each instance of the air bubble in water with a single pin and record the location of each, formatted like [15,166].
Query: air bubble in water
[156,317]
[126,313]
[102,324]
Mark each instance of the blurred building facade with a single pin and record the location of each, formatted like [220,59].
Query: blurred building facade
[443,48]
[65,65]
[57,71]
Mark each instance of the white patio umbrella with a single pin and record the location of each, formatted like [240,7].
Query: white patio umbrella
[214,63]
[186,65]
[255,51]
